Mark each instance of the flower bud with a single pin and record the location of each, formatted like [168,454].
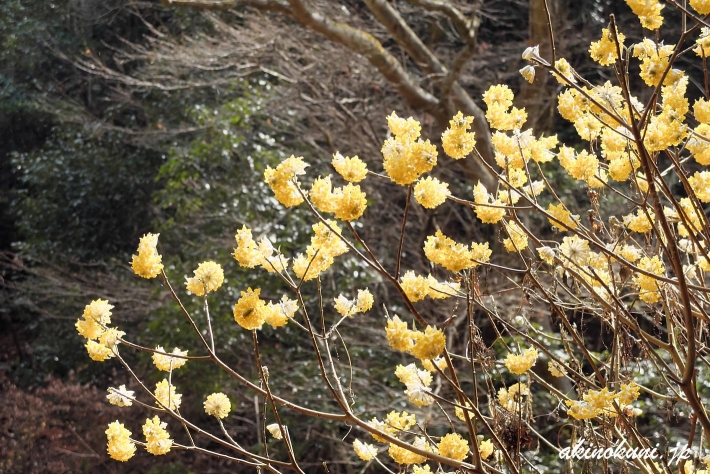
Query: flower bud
[528,73]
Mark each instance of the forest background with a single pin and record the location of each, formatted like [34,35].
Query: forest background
[123,117]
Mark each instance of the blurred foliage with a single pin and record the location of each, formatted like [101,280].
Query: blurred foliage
[75,195]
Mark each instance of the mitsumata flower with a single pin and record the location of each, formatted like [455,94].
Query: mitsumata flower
[585,233]
[218,405]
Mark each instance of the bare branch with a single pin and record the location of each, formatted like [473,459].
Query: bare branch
[272,5]
[364,43]
[463,26]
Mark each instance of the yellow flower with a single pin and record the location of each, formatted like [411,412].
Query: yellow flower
[703,43]
[404,456]
[620,169]
[654,61]
[247,252]
[321,195]
[582,410]
[487,214]
[456,140]
[499,94]
[521,363]
[121,397]
[511,398]
[630,253]
[458,411]
[365,451]
[429,365]
[441,290]
[405,156]
[701,110]
[397,422]
[421,470]
[148,262]
[517,240]
[575,249]
[218,405]
[499,99]
[120,446]
[528,73]
[649,12]
[640,222]
[166,395]
[250,310]
[416,287]
[325,245]
[594,403]
[417,382]
[400,127]
[275,430]
[566,73]
[453,256]
[97,315]
[701,6]
[208,277]
[485,448]
[272,260]
[349,202]
[604,50]
[628,393]
[572,104]
[692,218]
[277,315]
[280,180]
[582,166]
[361,304]
[365,300]
[398,336]
[563,219]
[410,375]
[312,264]
[326,241]
[165,362]
[98,352]
[430,192]
[351,169]
[700,182]
[699,144]
[547,254]
[649,285]
[429,344]
[453,446]
[158,440]
[555,369]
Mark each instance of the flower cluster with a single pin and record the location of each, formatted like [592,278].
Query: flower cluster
[457,141]
[601,402]
[251,312]
[406,156]
[454,256]
[120,446]
[417,287]
[217,405]
[283,181]
[521,363]
[326,244]
[148,262]
[158,440]
[348,203]
[361,304]
[418,384]
[102,341]
[209,276]
[167,363]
